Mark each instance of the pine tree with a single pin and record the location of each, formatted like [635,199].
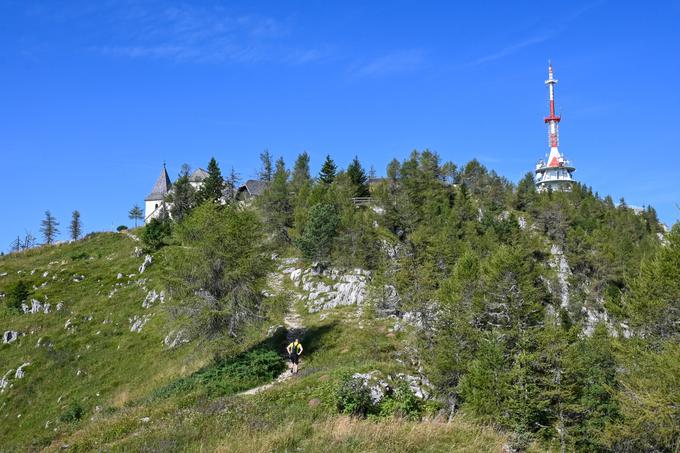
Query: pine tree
[265,173]
[328,171]
[135,214]
[358,178]
[49,227]
[183,196]
[276,204]
[213,184]
[76,227]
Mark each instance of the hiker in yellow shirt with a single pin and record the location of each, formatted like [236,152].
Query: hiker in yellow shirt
[294,351]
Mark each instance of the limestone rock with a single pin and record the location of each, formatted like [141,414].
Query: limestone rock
[20,373]
[175,339]
[148,259]
[138,322]
[10,336]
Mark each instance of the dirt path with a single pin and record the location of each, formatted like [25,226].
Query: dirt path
[293,323]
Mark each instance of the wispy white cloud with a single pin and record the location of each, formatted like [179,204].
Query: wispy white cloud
[511,49]
[199,34]
[537,38]
[392,63]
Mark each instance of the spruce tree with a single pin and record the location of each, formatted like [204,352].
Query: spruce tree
[358,178]
[135,214]
[328,171]
[49,227]
[213,184]
[76,226]
[320,230]
[183,196]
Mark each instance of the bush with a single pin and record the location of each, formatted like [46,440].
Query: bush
[156,234]
[402,403]
[353,397]
[17,294]
[121,228]
[73,413]
[79,256]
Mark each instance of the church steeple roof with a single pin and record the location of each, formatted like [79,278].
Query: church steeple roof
[161,188]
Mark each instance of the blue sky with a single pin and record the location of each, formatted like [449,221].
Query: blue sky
[94,96]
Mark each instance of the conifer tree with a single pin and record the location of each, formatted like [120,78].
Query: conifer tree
[301,174]
[231,185]
[49,227]
[276,204]
[135,213]
[76,226]
[183,196]
[358,178]
[328,171]
[265,173]
[320,230]
[213,184]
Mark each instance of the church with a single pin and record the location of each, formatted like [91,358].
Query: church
[155,202]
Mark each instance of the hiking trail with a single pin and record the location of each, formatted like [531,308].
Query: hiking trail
[293,324]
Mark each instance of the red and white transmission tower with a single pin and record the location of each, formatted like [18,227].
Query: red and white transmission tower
[556,173]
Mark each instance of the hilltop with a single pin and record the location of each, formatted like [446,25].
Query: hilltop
[440,308]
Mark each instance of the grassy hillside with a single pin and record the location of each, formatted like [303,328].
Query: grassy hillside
[94,384]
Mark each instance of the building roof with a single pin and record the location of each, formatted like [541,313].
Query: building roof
[161,187]
[254,187]
[198,175]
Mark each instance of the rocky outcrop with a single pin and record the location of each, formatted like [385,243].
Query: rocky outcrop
[559,263]
[10,336]
[380,387]
[151,298]
[330,288]
[36,307]
[148,259]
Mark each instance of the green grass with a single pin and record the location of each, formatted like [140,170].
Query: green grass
[134,394]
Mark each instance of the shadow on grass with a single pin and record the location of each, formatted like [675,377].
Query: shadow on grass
[259,364]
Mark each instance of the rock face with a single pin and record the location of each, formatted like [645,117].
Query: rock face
[148,259]
[380,387]
[559,263]
[330,288]
[10,336]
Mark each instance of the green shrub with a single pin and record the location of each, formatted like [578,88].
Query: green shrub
[353,397]
[402,403]
[156,234]
[79,256]
[73,413]
[17,294]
